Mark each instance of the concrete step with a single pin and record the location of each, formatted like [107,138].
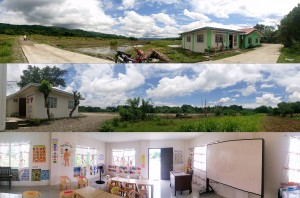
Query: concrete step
[11,125]
[24,125]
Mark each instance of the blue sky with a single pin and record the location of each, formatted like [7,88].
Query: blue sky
[177,84]
[148,18]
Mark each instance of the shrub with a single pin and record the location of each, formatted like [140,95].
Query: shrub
[113,43]
[35,122]
[106,127]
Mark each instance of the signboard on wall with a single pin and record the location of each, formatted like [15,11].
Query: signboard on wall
[2,96]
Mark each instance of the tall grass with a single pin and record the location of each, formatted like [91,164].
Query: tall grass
[251,123]
[6,49]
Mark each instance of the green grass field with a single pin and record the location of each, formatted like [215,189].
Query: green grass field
[286,57]
[252,123]
[6,48]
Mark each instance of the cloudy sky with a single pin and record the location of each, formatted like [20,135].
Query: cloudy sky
[148,18]
[175,84]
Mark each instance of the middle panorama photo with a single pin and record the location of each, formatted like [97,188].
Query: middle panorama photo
[151,97]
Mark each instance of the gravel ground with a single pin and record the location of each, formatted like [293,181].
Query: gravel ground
[85,122]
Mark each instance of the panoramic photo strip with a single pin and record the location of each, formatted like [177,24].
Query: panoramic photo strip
[151,97]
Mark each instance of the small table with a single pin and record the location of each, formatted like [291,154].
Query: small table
[91,192]
[8,195]
[180,181]
[137,182]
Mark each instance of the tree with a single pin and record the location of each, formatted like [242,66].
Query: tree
[33,74]
[46,89]
[289,28]
[269,32]
[76,97]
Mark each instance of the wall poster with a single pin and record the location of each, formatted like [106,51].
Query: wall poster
[39,154]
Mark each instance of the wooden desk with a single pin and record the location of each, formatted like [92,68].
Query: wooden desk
[91,192]
[8,195]
[136,181]
[180,181]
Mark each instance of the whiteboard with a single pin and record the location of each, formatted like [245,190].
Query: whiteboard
[238,164]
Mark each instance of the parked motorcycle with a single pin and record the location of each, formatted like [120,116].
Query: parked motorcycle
[122,57]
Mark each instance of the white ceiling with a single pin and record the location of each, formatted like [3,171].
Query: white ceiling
[136,136]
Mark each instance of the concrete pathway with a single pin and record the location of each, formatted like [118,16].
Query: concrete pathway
[266,54]
[42,53]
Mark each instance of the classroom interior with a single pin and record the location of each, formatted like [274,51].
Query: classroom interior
[131,155]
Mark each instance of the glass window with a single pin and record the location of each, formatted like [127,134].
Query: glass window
[52,102]
[294,160]
[200,38]
[250,40]
[188,39]
[14,155]
[219,38]
[85,156]
[123,157]
[256,40]
[4,154]
[70,104]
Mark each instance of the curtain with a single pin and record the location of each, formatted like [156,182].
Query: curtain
[199,166]
[292,168]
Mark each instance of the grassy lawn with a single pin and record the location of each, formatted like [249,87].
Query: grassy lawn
[286,57]
[251,123]
[10,50]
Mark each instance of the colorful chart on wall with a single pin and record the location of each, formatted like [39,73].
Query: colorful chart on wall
[76,171]
[39,154]
[54,147]
[24,175]
[143,161]
[45,175]
[66,154]
[178,157]
[36,175]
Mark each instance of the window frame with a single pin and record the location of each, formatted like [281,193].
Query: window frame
[219,38]
[52,102]
[70,104]
[14,155]
[83,156]
[117,159]
[200,38]
[188,38]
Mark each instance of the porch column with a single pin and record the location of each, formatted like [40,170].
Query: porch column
[193,40]
[208,39]
[227,40]
[3,68]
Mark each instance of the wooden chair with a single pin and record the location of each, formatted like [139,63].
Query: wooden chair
[67,194]
[110,184]
[127,187]
[107,177]
[133,194]
[82,180]
[64,181]
[31,194]
[118,191]
[143,189]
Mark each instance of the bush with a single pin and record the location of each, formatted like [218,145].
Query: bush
[106,127]
[113,43]
[35,122]
[115,122]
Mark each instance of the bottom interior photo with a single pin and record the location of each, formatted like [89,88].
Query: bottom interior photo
[159,165]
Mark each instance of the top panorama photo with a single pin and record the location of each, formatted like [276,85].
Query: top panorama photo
[151,31]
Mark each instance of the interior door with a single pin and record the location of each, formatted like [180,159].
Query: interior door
[22,107]
[166,161]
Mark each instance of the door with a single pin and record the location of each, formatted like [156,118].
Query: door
[22,107]
[166,162]
[230,41]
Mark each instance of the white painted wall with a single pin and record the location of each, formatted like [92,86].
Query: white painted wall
[276,150]
[34,139]
[3,71]
[141,148]
[75,139]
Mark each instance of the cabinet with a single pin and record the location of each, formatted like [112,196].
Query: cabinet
[180,181]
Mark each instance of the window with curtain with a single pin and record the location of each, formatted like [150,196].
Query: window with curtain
[199,166]
[85,156]
[15,155]
[293,165]
[124,157]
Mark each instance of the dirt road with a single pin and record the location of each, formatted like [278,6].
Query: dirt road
[278,124]
[85,122]
[266,54]
[42,53]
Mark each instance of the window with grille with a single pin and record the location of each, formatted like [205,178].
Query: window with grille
[123,157]
[14,154]
[70,104]
[200,38]
[199,165]
[52,102]
[188,39]
[85,156]
[294,160]
[219,38]
[250,40]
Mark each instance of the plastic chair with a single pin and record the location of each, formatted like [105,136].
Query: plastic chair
[127,187]
[133,193]
[143,189]
[118,191]
[82,180]
[110,184]
[67,194]
[107,177]
[31,194]
[64,181]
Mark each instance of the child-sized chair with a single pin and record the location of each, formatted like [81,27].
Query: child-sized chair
[143,190]
[65,182]
[118,191]
[82,180]
[31,194]
[133,193]
[67,194]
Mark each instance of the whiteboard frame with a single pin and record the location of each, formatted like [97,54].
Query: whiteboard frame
[262,166]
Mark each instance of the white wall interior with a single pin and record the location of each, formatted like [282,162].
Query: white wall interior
[3,70]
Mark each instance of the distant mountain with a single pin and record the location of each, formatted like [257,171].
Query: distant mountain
[50,31]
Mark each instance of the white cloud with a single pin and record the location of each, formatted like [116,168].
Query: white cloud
[266,86]
[268,99]
[224,100]
[164,18]
[196,16]
[126,4]
[250,89]
[295,96]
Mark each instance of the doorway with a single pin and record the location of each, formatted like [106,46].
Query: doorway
[230,41]
[22,107]
[160,163]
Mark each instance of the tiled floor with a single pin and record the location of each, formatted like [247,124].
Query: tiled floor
[161,190]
